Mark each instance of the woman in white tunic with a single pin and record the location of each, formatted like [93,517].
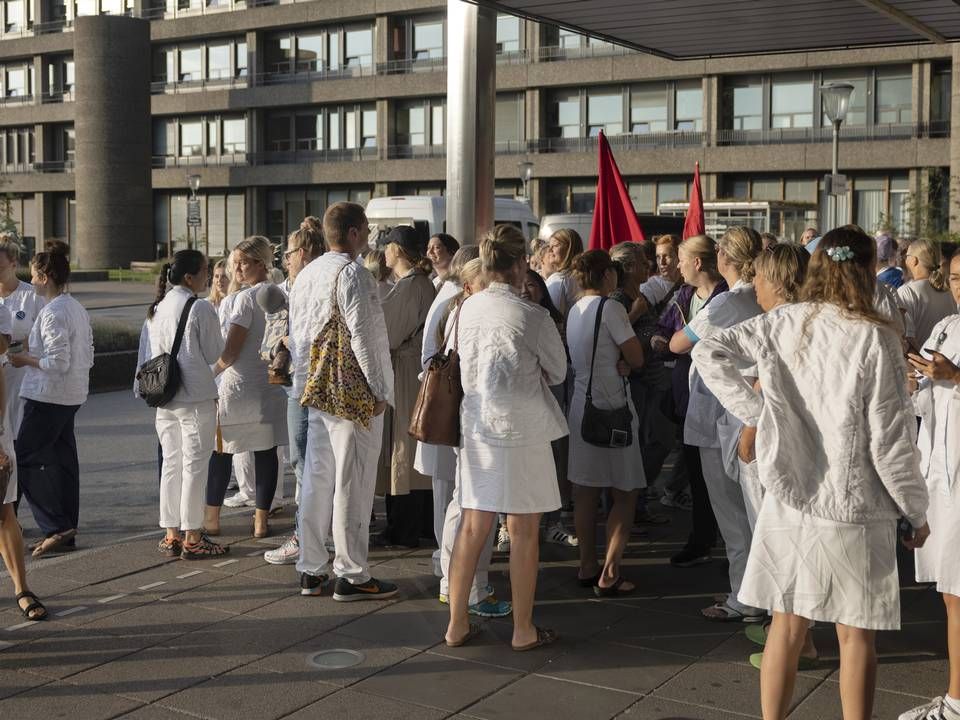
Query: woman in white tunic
[925,300]
[938,404]
[510,354]
[252,413]
[441,249]
[837,462]
[591,468]
[24,305]
[562,247]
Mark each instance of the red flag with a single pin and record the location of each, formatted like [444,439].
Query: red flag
[693,224]
[614,219]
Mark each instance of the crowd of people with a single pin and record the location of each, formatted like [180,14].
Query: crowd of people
[805,392]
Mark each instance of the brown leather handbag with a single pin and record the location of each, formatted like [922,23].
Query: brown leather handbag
[436,414]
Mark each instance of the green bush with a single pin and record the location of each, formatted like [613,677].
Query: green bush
[113,336]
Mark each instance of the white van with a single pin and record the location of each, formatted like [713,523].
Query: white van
[582,222]
[428,214]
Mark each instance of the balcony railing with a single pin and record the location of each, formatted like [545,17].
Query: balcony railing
[161,87]
[282,75]
[623,142]
[411,65]
[790,136]
[406,152]
[178,161]
[552,53]
[48,166]
[57,96]
[296,157]
[17,100]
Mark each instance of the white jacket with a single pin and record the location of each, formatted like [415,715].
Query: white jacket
[835,426]
[63,341]
[510,353]
[938,406]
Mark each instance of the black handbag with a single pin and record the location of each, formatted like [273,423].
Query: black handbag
[158,379]
[605,428]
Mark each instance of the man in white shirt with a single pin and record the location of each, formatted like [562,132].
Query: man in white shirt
[340,467]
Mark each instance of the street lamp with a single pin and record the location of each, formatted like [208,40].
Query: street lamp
[525,168]
[836,101]
[193,210]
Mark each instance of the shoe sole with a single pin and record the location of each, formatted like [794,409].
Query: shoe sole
[477,613]
[692,563]
[356,597]
[290,561]
[311,592]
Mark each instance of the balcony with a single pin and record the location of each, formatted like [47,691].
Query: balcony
[26,99]
[283,75]
[57,96]
[162,87]
[188,161]
[49,166]
[297,157]
[620,142]
[791,136]
[410,152]
[405,66]
[552,53]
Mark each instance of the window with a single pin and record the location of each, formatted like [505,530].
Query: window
[745,98]
[234,135]
[894,104]
[16,148]
[765,189]
[791,103]
[800,190]
[350,120]
[310,52]
[279,138]
[688,113]
[648,109]
[567,107]
[16,82]
[428,40]
[868,200]
[164,64]
[668,191]
[191,138]
[509,119]
[333,130]
[857,110]
[279,53]
[643,195]
[111,7]
[333,51]
[358,48]
[436,125]
[218,61]
[605,112]
[68,141]
[411,125]
[309,131]
[86,7]
[241,59]
[13,20]
[569,40]
[940,95]
[212,144]
[191,60]
[164,137]
[368,129]
[508,34]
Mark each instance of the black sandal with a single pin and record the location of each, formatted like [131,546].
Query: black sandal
[590,581]
[34,606]
[614,590]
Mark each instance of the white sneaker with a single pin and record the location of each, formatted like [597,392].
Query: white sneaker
[238,500]
[936,709]
[503,539]
[286,554]
[558,536]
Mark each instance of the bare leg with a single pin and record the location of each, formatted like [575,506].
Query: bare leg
[211,519]
[953,642]
[858,671]
[585,522]
[11,549]
[475,526]
[778,671]
[619,522]
[524,558]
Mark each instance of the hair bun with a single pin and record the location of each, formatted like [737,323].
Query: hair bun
[57,247]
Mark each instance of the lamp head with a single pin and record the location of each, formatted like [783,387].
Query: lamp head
[525,168]
[193,182]
[836,100]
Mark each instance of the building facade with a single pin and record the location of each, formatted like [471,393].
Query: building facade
[284,107]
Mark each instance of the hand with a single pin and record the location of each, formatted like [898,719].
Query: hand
[747,446]
[638,307]
[19,360]
[659,343]
[379,407]
[912,383]
[623,370]
[917,538]
[939,368]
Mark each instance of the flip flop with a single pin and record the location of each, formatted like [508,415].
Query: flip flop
[730,614]
[54,542]
[472,632]
[805,664]
[545,636]
[614,590]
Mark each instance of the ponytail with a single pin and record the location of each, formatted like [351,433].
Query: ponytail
[937,279]
[161,290]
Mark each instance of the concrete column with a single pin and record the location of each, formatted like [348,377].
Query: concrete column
[533,114]
[919,79]
[381,189]
[255,58]
[955,140]
[40,85]
[385,129]
[711,109]
[381,40]
[254,221]
[44,209]
[471,103]
[41,144]
[926,77]
[113,174]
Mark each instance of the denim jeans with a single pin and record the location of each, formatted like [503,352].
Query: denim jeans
[297,432]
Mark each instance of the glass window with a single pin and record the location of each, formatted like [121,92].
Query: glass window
[69,140]
[191,138]
[191,64]
[766,189]
[275,224]
[643,195]
[791,103]
[235,219]
[436,125]
[508,33]
[234,135]
[509,119]
[218,61]
[333,51]
[746,105]
[16,83]
[216,224]
[940,95]
[567,123]
[241,59]
[688,113]
[358,47]
[428,40]
[894,103]
[569,39]
[868,198]
[309,131]
[360,195]
[86,7]
[279,52]
[333,130]
[310,52]
[111,7]
[583,197]
[278,133]
[369,129]
[14,21]
[669,191]
[69,78]
[161,220]
[857,111]
[648,109]
[350,120]
[411,125]
[212,144]
[800,190]
[605,112]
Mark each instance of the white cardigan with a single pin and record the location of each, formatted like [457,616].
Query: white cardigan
[63,341]
[835,426]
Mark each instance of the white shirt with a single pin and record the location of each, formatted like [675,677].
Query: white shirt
[656,289]
[24,305]
[886,304]
[445,293]
[609,390]
[923,307]
[564,291]
[510,353]
[63,341]
[359,304]
[200,348]
[835,426]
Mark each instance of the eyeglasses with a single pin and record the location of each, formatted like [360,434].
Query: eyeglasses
[291,251]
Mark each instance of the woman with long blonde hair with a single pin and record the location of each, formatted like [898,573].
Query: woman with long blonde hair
[562,247]
[925,299]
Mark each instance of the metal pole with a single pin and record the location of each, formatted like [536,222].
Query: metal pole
[834,199]
[471,106]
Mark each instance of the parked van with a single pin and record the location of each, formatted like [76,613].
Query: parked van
[581,222]
[428,214]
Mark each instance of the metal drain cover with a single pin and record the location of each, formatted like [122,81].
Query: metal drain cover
[335,659]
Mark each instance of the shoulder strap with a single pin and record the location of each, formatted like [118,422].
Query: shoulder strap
[181,327]
[596,338]
[335,304]
[456,326]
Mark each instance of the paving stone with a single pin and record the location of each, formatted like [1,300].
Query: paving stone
[824,702]
[414,623]
[160,619]
[725,686]
[738,649]
[360,706]
[577,618]
[251,691]
[13,682]
[493,647]
[239,640]
[154,712]
[667,632]
[657,708]
[377,657]
[61,699]
[110,563]
[541,698]
[236,594]
[437,682]
[314,615]
[45,582]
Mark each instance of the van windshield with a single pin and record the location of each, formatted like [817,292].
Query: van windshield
[380,227]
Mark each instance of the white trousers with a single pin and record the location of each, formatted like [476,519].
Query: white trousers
[339,479]
[187,433]
[726,498]
[243,469]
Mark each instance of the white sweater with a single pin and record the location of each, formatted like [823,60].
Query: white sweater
[63,341]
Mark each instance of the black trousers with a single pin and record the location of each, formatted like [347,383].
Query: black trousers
[48,470]
[266,465]
[409,517]
[703,534]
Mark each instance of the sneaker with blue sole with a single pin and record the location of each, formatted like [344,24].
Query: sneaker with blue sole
[491,608]
[373,589]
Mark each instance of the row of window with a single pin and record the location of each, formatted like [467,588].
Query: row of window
[327,128]
[213,60]
[18,146]
[200,136]
[17,79]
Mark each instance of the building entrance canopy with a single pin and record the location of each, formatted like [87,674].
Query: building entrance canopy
[690,29]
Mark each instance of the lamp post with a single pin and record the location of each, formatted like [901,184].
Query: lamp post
[836,101]
[525,168]
[193,210]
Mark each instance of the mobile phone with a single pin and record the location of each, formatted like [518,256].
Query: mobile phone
[16,347]
[905,529]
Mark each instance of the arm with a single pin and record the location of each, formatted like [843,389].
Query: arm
[683,341]
[360,305]
[617,321]
[550,353]
[236,336]
[208,329]
[718,359]
[56,342]
[401,312]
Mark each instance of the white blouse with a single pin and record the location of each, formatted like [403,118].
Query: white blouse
[63,341]
[564,291]
[923,307]
[24,305]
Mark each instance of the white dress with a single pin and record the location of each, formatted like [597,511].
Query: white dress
[589,465]
[24,304]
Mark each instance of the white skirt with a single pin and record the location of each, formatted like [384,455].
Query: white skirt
[823,569]
[936,561]
[515,480]
[592,466]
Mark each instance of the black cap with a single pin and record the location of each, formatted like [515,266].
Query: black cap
[410,239]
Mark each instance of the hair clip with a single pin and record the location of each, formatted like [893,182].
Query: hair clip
[839,254]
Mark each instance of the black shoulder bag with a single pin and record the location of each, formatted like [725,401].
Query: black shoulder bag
[605,428]
[158,379]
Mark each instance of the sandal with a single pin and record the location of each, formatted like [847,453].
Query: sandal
[55,542]
[170,548]
[590,581]
[544,637]
[34,607]
[614,590]
[472,632]
[203,550]
[730,614]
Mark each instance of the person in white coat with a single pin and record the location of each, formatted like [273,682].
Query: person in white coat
[562,247]
[925,299]
[837,460]
[937,400]
[54,387]
[187,425]
[510,354]
[24,304]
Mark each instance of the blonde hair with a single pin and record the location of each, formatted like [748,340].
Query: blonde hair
[309,237]
[460,258]
[376,262]
[703,248]
[929,256]
[215,295]
[501,248]
[471,273]
[257,247]
[571,244]
[741,245]
[784,266]
[10,247]
[629,255]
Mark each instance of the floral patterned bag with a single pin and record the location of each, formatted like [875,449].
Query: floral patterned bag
[335,382]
